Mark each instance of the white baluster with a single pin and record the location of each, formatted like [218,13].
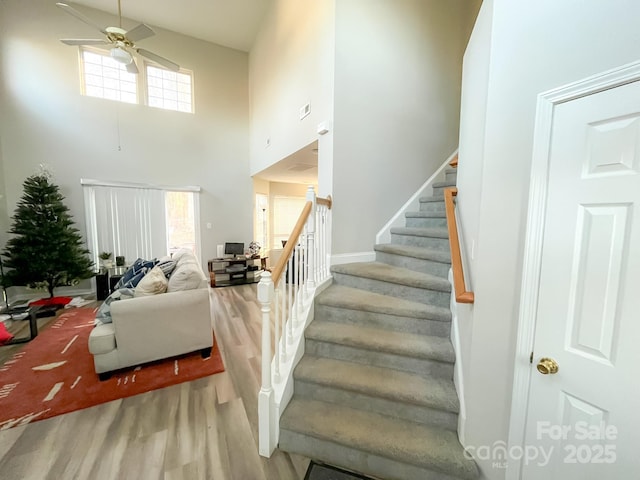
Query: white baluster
[276,371]
[291,311]
[283,316]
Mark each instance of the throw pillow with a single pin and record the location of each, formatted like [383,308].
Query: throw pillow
[187,276]
[135,272]
[153,283]
[178,254]
[167,265]
[103,315]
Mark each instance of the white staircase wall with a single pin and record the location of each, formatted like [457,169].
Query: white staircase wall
[513,81]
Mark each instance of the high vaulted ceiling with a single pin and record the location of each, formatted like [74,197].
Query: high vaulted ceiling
[232,23]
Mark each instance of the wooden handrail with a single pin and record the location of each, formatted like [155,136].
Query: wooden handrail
[454,163]
[325,201]
[291,242]
[461,293]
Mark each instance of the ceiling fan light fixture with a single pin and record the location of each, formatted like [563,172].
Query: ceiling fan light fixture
[119,54]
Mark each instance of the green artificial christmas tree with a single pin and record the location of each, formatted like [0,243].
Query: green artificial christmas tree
[46,250]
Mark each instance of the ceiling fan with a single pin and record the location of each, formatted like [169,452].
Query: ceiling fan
[121,42]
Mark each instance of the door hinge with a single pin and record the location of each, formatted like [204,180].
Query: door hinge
[531,358]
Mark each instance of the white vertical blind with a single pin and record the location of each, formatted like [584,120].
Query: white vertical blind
[126,221]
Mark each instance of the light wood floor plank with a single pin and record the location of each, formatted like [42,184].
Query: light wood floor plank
[206,429]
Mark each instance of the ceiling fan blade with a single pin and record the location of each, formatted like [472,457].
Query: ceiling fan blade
[75,13]
[132,67]
[83,41]
[158,59]
[140,32]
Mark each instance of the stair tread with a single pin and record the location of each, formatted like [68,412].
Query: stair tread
[400,440]
[381,382]
[421,232]
[380,340]
[391,274]
[357,299]
[445,183]
[425,214]
[415,252]
[438,198]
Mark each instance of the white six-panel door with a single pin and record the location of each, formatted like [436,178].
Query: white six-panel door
[585,420]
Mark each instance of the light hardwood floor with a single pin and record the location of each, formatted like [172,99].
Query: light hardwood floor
[206,429]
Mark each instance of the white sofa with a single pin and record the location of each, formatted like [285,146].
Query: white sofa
[149,328]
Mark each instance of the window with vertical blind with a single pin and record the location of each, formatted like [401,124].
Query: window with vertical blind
[286,211]
[138,221]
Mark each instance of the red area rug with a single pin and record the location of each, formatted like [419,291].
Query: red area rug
[28,395]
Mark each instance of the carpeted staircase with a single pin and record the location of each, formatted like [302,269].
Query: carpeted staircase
[374,390]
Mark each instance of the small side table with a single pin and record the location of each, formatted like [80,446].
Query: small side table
[34,313]
[102,284]
[115,274]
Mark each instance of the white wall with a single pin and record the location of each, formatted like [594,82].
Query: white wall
[475,88]
[397,103]
[533,49]
[44,119]
[291,64]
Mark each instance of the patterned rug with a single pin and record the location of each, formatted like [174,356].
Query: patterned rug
[54,373]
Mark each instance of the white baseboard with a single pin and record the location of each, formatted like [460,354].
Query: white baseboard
[355,257]
[458,377]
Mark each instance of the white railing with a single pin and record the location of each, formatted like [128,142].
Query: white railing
[286,296]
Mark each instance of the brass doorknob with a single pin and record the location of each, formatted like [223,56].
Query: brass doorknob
[547,366]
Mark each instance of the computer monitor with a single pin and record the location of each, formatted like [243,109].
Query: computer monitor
[233,248]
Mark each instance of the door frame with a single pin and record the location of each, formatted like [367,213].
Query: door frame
[536,217]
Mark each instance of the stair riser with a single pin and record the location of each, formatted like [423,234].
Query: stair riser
[390,408]
[451,176]
[415,264]
[432,206]
[426,222]
[433,297]
[394,323]
[353,459]
[421,366]
[440,244]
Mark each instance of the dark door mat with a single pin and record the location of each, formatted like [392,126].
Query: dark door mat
[319,471]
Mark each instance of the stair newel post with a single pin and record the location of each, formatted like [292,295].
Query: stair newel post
[265,399]
[311,241]
[320,229]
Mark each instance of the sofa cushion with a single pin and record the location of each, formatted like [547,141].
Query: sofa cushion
[153,283]
[187,276]
[102,339]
